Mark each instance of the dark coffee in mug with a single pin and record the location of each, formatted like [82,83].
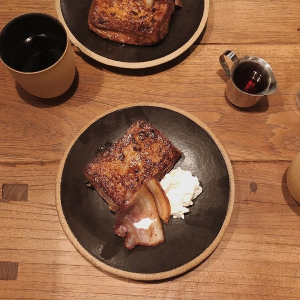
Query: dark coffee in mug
[31,43]
[39,52]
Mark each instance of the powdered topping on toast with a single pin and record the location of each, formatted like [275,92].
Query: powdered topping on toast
[143,152]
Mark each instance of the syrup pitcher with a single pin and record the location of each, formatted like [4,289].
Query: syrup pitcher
[250,78]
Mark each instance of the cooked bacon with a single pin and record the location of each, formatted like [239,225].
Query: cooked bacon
[138,221]
[161,199]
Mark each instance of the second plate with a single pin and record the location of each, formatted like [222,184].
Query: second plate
[186,25]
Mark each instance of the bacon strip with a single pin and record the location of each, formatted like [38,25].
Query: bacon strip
[161,199]
[138,221]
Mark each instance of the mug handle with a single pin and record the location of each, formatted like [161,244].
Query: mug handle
[231,55]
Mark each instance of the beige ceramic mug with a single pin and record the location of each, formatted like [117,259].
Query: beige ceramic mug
[293,178]
[36,50]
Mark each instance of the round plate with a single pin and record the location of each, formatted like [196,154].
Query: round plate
[186,25]
[88,222]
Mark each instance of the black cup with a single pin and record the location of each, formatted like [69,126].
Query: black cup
[32,42]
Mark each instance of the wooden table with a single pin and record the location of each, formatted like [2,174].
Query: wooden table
[259,255]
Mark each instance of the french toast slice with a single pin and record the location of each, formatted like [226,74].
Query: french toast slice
[143,152]
[130,21]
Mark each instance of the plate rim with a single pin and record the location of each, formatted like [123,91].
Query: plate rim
[146,276]
[133,65]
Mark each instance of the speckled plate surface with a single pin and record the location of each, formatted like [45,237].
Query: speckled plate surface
[88,222]
[186,25]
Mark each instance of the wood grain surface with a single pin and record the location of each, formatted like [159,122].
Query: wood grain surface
[259,255]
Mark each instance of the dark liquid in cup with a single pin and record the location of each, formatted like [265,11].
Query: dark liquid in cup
[249,81]
[38,52]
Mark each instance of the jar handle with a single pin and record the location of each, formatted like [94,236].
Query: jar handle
[232,56]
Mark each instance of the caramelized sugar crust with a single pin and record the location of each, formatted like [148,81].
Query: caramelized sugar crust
[143,152]
[129,22]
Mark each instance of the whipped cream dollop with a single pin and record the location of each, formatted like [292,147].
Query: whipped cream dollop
[181,187]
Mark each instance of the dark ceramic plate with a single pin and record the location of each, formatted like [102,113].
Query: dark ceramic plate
[89,223]
[186,25]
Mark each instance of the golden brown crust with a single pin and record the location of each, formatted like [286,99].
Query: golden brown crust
[143,152]
[128,21]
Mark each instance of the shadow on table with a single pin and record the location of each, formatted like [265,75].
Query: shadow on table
[44,103]
[261,106]
[291,202]
[144,71]
[137,72]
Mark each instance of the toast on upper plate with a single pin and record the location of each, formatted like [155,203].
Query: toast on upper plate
[130,21]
